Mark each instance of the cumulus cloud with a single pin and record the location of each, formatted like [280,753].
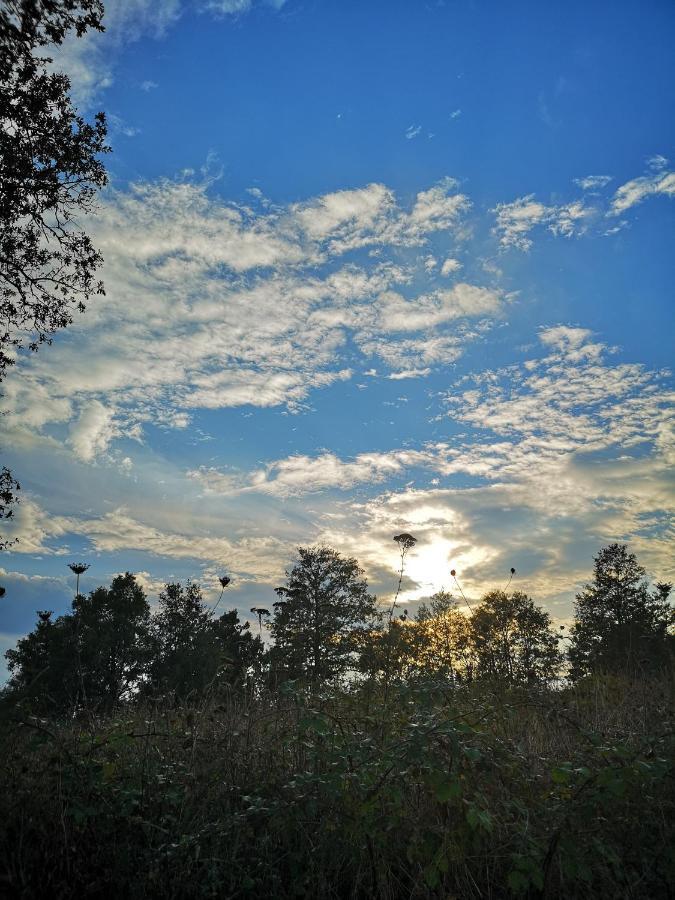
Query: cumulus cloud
[576,451]
[226,7]
[558,454]
[302,474]
[409,373]
[215,305]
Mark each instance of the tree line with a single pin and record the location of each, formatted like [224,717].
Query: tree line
[327,629]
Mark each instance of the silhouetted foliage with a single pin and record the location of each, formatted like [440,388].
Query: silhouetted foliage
[112,628]
[324,606]
[111,649]
[507,638]
[27,24]
[459,773]
[92,657]
[43,667]
[435,644]
[445,638]
[191,651]
[49,173]
[513,640]
[620,625]
[9,487]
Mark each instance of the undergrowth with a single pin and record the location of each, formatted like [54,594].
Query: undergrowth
[438,792]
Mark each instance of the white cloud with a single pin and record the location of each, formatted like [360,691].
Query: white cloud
[336,215]
[89,60]
[412,131]
[212,305]
[226,7]
[561,453]
[409,373]
[91,434]
[593,182]
[396,313]
[516,220]
[119,126]
[576,452]
[633,192]
[215,305]
[449,266]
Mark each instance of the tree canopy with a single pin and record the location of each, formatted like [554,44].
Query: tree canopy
[513,640]
[620,624]
[191,651]
[321,610]
[111,648]
[93,656]
[50,171]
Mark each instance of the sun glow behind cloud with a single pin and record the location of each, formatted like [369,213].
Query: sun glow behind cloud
[351,361]
[324,310]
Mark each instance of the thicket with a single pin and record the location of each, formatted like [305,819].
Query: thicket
[447,755]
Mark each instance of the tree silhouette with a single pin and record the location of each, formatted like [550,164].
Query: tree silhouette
[191,651]
[444,638]
[8,499]
[325,603]
[112,626]
[49,174]
[620,625]
[512,639]
[43,666]
[94,656]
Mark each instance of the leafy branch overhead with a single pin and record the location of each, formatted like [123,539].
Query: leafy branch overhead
[50,172]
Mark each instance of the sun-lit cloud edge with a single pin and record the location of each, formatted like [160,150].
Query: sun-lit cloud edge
[568,450]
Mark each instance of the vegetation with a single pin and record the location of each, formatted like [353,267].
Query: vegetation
[620,625]
[167,754]
[50,172]
[321,613]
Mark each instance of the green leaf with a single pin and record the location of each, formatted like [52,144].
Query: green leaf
[479,819]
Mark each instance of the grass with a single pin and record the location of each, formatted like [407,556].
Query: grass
[440,792]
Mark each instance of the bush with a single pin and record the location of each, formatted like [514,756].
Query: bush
[441,792]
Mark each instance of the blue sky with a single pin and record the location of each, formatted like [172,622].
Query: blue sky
[370,267]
